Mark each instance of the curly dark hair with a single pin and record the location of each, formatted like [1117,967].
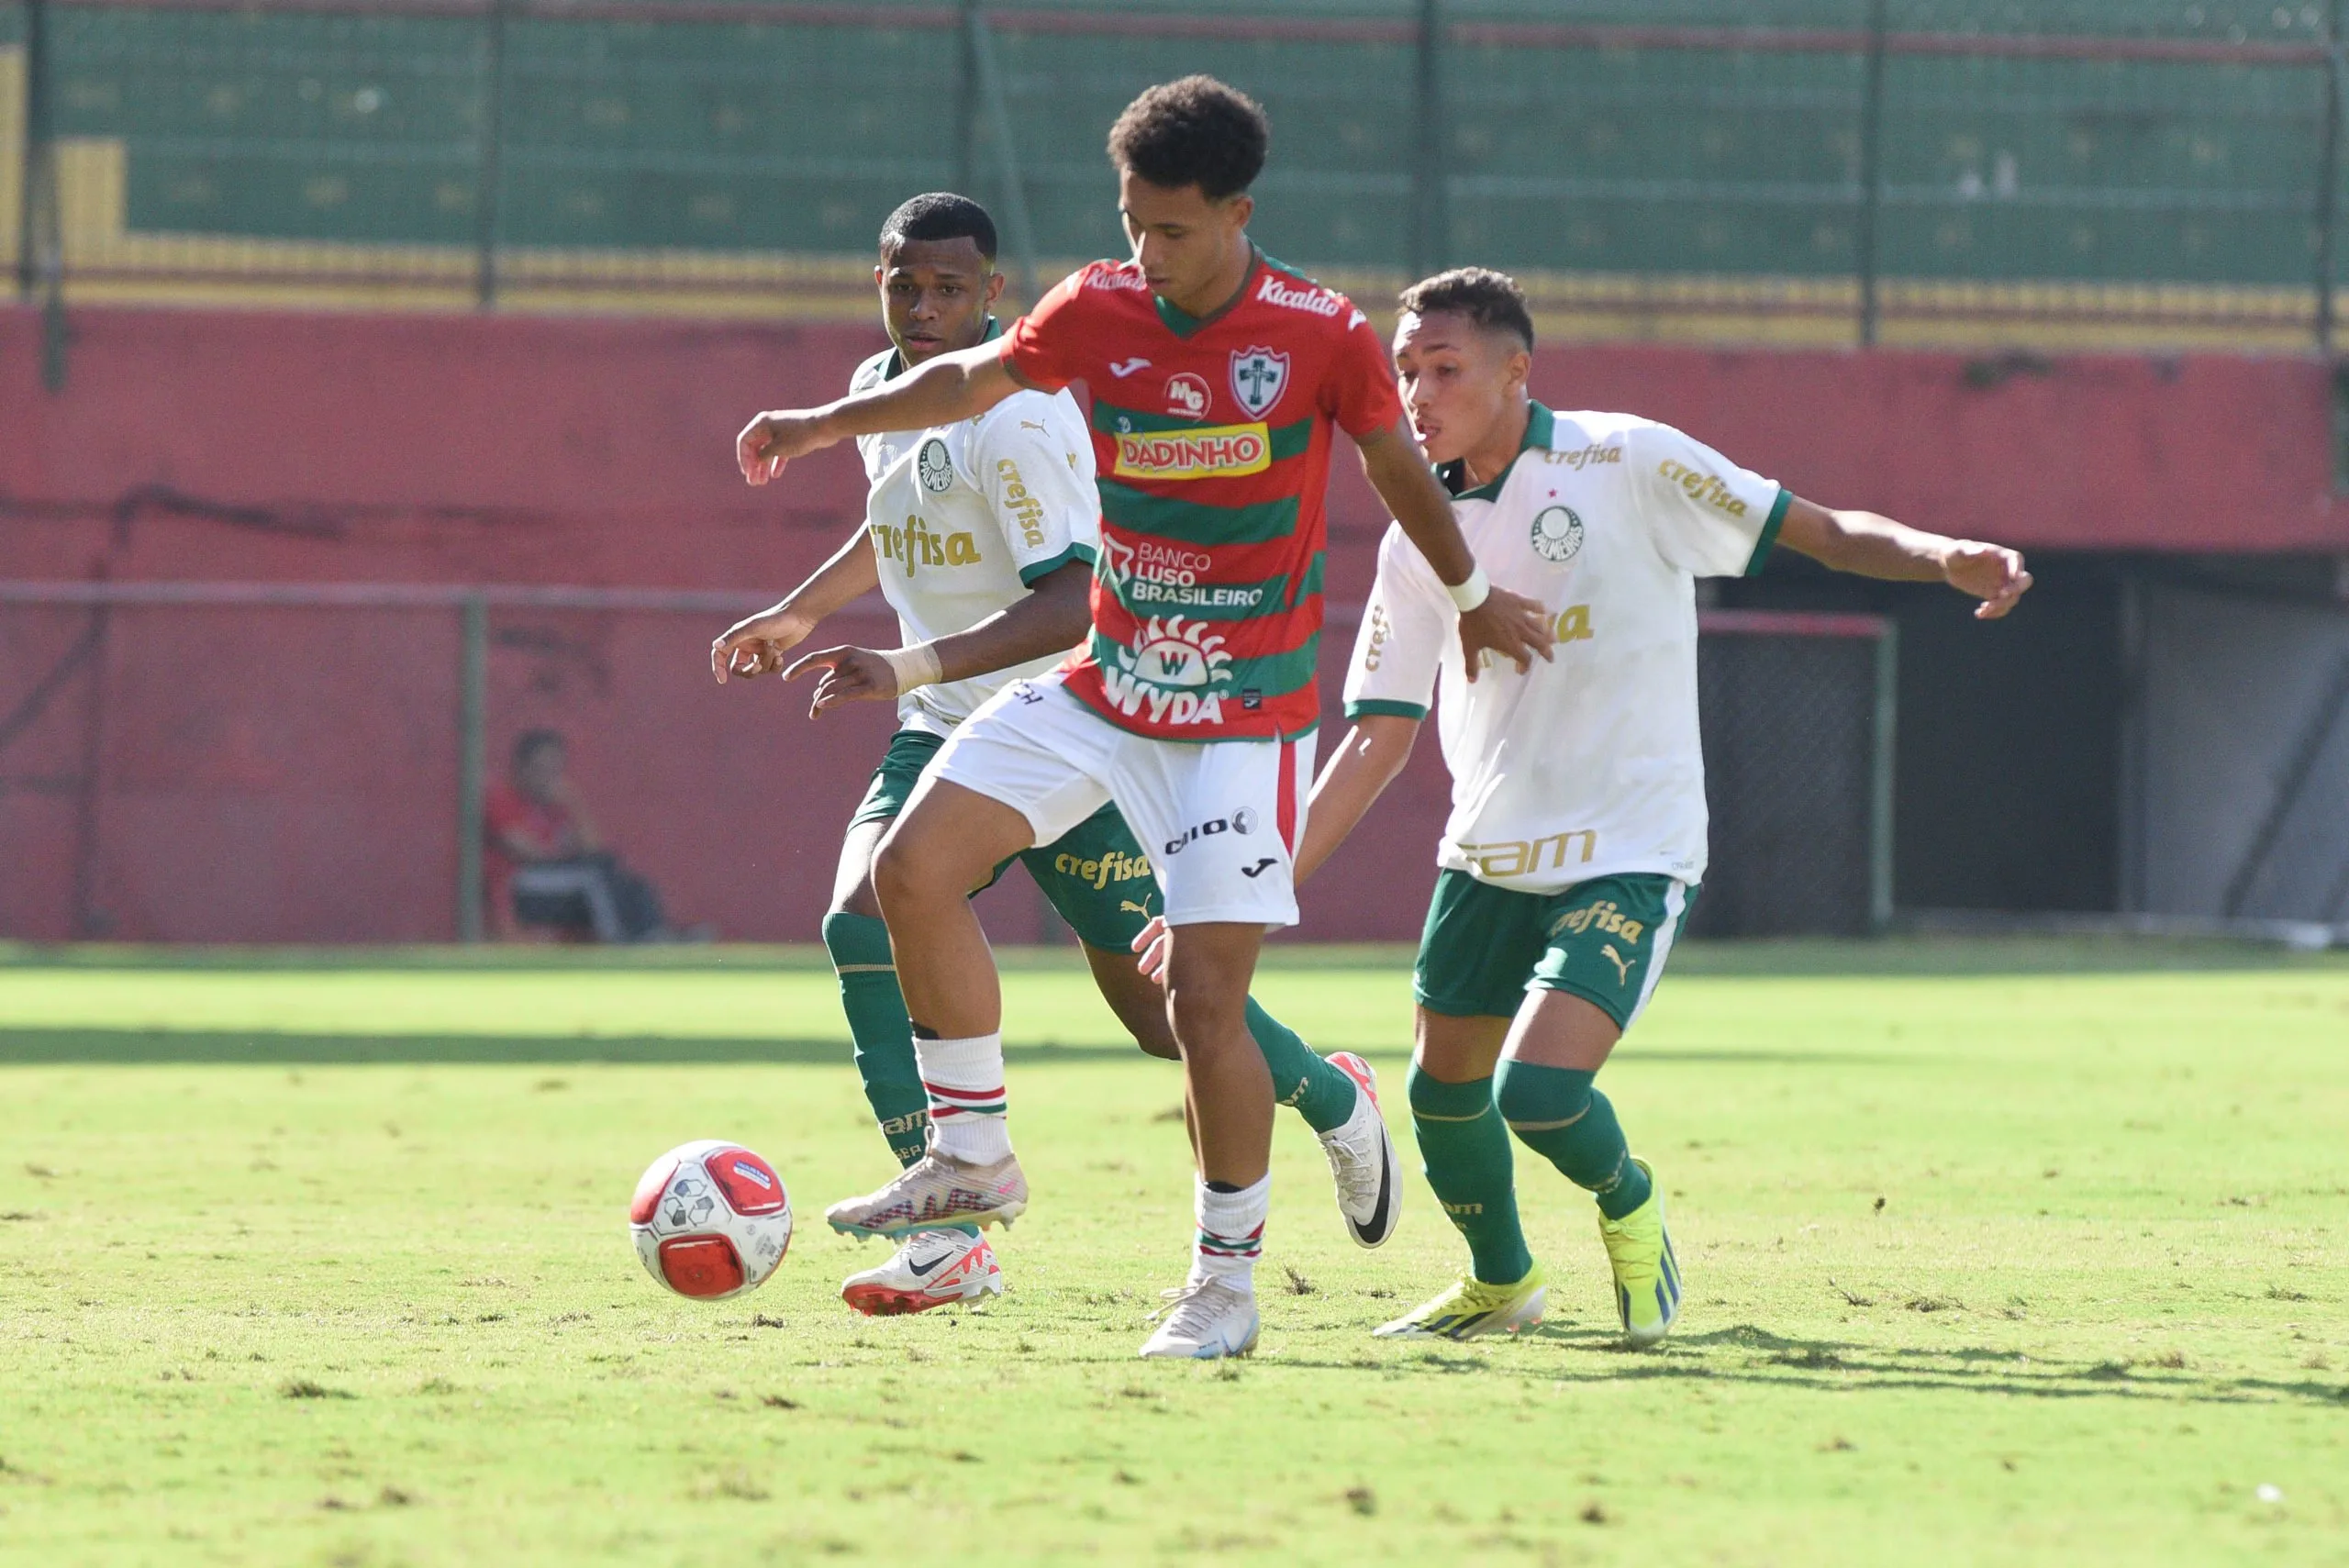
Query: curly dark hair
[1490,299]
[940,215]
[1196,131]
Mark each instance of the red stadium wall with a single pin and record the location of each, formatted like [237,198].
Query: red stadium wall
[287,774]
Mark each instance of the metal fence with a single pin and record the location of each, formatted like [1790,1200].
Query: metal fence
[2070,172]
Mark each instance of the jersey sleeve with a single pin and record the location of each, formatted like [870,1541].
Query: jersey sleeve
[1706,514]
[1360,393]
[1044,346]
[1034,465]
[1400,645]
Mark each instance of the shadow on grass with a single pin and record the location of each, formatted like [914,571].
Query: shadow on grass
[131,1047]
[1748,1354]
[30,1047]
[1944,954]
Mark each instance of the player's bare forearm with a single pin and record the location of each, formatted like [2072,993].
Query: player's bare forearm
[1868,545]
[755,645]
[954,386]
[1054,618]
[851,572]
[1364,763]
[1398,469]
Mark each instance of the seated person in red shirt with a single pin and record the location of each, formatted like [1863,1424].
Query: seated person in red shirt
[542,864]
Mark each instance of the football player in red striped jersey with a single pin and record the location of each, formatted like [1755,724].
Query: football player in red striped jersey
[1219,377]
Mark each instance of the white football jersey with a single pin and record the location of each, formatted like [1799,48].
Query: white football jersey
[964,516]
[1590,765]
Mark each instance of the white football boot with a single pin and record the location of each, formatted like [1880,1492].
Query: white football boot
[1204,1321]
[1362,1160]
[930,1268]
[935,1190]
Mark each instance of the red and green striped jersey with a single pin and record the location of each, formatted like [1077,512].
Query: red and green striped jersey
[1212,439]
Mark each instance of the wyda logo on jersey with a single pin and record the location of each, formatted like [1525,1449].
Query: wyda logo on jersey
[1166,672]
[937,472]
[1259,376]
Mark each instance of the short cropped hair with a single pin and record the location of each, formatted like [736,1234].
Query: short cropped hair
[1490,299]
[530,742]
[941,215]
[1196,131]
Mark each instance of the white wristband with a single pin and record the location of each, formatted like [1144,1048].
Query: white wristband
[914,666]
[1469,594]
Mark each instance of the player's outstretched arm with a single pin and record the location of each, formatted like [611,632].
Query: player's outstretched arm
[1053,618]
[954,386]
[1873,546]
[755,646]
[1509,625]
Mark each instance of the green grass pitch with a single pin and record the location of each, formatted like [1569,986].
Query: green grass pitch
[1996,1254]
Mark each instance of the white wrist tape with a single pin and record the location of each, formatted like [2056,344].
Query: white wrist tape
[914,666]
[1471,592]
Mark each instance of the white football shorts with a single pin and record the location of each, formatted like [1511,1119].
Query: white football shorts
[1220,820]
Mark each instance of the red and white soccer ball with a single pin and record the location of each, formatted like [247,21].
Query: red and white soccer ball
[711,1219]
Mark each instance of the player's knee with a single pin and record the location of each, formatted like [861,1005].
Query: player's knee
[1205,1015]
[1439,1098]
[906,870]
[856,939]
[1533,1098]
[1146,1019]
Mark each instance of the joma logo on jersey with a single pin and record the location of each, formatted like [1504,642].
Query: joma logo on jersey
[1166,671]
[917,545]
[1519,857]
[1022,504]
[1218,451]
[1705,487]
[1604,916]
[1115,866]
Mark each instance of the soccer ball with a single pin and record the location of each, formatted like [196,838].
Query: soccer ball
[710,1219]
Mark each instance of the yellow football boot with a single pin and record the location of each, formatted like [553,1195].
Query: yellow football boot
[1647,1277]
[1472,1309]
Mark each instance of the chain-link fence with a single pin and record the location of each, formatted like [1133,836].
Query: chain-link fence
[316,762]
[2072,171]
[1798,713]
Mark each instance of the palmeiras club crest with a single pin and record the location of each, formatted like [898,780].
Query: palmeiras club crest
[1557,533]
[1259,376]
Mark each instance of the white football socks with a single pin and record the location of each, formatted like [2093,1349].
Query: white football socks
[965,1081]
[1231,1233]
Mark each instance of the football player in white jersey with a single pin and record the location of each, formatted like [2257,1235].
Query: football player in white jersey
[1576,837]
[982,536]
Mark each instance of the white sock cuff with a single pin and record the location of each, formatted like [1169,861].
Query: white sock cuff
[972,1064]
[1234,1214]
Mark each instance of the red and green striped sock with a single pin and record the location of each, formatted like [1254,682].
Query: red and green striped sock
[963,1079]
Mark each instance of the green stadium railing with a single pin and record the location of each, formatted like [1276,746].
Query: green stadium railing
[2067,172]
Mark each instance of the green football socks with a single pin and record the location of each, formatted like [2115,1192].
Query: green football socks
[1464,1150]
[1323,1094]
[1561,1117]
[884,1034]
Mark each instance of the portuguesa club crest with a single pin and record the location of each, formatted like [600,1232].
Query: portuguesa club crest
[1259,376]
